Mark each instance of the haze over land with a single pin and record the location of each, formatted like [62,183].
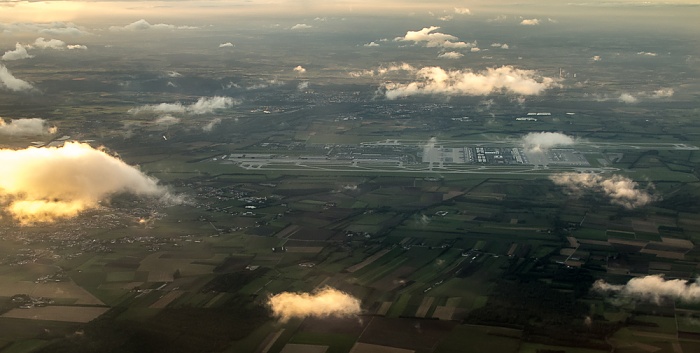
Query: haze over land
[349,176]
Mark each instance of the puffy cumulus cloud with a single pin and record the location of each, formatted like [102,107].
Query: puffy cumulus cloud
[450,55]
[56,44]
[620,190]
[663,93]
[203,105]
[25,127]
[530,22]
[46,184]
[300,26]
[19,53]
[42,43]
[435,80]
[166,120]
[326,302]
[446,18]
[627,98]
[9,81]
[475,50]
[500,45]
[299,69]
[143,25]
[226,45]
[433,39]
[462,11]
[537,141]
[370,44]
[596,58]
[653,288]
[382,70]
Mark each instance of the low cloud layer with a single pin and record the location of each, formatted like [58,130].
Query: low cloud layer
[203,105]
[51,28]
[530,22]
[143,25]
[620,190]
[327,302]
[544,140]
[432,39]
[504,79]
[10,82]
[25,127]
[46,184]
[652,288]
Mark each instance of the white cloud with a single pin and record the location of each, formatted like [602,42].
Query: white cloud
[19,53]
[143,25]
[462,11]
[269,83]
[507,79]
[42,43]
[446,18]
[537,141]
[300,69]
[596,58]
[327,302]
[303,85]
[646,53]
[51,28]
[530,22]
[45,184]
[450,55]
[619,189]
[76,46]
[500,45]
[226,45]
[663,93]
[166,120]
[434,39]
[210,126]
[627,98]
[301,26]
[371,44]
[653,288]
[25,127]
[8,81]
[203,105]
[474,50]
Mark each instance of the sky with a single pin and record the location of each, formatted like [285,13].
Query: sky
[37,11]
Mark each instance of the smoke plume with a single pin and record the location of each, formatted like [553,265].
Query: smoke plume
[653,288]
[45,184]
[538,141]
[322,303]
[25,127]
[620,190]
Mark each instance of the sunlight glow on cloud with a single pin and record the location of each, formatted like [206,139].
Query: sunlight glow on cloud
[25,127]
[49,183]
[506,79]
[653,288]
[433,39]
[143,25]
[620,190]
[326,302]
